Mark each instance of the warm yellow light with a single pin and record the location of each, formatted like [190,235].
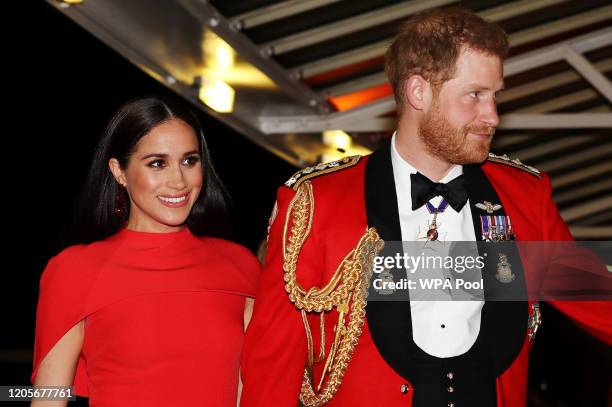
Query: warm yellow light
[338,145]
[332,154]
[221,61]
[217,95]
[218,54]
[72,1]
[337,139]
[241,75]
[224,56]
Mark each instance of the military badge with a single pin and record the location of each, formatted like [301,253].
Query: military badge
[496,228]
[488,206]
[504,270]
[431,232]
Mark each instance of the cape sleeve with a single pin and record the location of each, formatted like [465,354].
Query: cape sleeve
[241,269]
[61,305]
[249,271]
[592,316]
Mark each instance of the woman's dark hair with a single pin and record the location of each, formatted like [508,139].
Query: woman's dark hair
[96,218]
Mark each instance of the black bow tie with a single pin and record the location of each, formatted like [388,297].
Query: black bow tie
[423,189]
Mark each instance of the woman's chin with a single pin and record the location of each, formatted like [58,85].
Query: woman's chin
[172,221]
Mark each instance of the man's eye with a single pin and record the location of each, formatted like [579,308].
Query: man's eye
[474,94]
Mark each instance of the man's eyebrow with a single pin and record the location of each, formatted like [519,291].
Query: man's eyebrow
[481,87]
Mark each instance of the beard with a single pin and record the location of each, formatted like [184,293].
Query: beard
[453,144]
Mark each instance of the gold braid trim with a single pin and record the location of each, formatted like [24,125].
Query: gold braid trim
[516,163]
[349,282]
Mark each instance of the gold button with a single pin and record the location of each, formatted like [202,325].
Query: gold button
[450,375]
[450,389]
[405,388]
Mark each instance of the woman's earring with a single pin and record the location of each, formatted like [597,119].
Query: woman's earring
[120,202]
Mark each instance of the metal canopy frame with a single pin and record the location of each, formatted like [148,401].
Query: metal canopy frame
[260,58]
[366,118]
[350,25]
[377,49]
[556,112]
[276,11]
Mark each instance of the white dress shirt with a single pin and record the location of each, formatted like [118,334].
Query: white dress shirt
[440,328]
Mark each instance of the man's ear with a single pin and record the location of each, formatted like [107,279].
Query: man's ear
[117,171]
[418,92]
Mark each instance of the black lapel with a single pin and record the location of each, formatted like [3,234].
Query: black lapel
[380,196]
[504,323]
[389,320]
[505,313]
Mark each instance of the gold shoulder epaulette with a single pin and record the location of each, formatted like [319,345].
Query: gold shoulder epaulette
[324,168]
[516,163]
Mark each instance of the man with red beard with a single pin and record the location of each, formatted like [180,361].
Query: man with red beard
[318,332]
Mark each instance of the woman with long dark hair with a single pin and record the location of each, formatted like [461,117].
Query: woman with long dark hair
[150,307]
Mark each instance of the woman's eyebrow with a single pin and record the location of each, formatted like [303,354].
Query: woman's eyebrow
[157,155]
[164,155]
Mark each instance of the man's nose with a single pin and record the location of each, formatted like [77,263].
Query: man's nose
[489,114]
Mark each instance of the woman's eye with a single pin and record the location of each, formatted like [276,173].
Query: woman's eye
[191,161]
[156,164]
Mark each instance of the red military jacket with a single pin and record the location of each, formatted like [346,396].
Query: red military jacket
[349,196]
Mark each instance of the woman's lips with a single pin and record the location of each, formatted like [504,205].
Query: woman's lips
[173,201]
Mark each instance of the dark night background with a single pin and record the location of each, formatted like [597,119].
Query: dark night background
[61,87]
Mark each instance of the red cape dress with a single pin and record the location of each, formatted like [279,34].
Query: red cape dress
[163,317]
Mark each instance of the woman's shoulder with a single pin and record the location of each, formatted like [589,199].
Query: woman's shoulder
[230,249]
[65,259]
[235,257]
[72,264]
[71,252]
[77,253]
